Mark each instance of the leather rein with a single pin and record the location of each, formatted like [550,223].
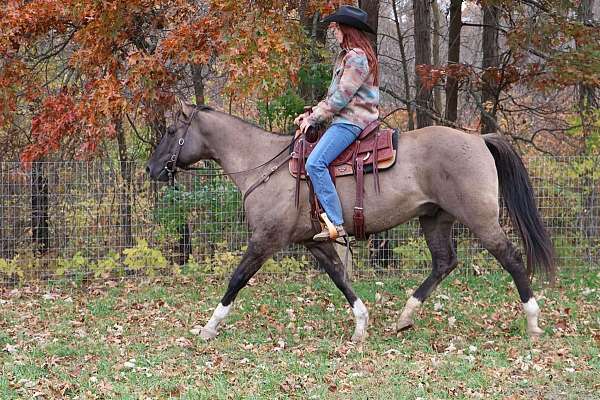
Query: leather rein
[263,178]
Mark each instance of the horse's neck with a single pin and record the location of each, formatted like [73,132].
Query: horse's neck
[239,146]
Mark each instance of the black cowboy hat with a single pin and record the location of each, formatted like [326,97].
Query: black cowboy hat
[352,16]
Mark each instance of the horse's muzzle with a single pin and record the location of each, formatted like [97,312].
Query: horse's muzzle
[161,175]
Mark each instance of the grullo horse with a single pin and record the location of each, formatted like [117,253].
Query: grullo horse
[442,175]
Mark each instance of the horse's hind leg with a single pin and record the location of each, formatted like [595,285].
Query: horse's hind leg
[258,252]
[438,234]
[495,241]
[329,259]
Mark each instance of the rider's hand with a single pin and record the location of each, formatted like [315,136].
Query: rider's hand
[299,119]
[304,125]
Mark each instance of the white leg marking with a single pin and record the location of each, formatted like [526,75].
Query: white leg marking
[210,329]
[406,321]
[532,312]
[361,316]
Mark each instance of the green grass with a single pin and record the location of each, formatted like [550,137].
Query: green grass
[131,340]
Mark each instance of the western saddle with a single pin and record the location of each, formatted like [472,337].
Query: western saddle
[374,150]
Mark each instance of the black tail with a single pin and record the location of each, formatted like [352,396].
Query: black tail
[518,196]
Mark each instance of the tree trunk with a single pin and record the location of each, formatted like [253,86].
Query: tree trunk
[408,95]
[422,23]
[158,126]
[490,63]
[39,208]
[588,102]
[453,59]
[319,30]
[588,99]
[125,195]
[371,7]
[318,34]
[312,23]
[437,92]
[184,245]
[5,226]
[198,81]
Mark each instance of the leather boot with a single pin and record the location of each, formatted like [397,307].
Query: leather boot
[325,235]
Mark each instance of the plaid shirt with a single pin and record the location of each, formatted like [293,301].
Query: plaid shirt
[352,97]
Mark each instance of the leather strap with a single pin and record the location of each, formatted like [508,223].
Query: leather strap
[314,207]
[375,158]
[359,217]
[369,129]
[316,210]
[300,167]
[265,178]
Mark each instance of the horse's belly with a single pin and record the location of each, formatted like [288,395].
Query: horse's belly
[401,199]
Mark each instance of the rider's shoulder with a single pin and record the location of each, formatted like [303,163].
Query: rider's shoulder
[355,56]
[355,53]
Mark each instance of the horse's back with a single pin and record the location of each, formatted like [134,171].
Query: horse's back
[435,167]
[455,169]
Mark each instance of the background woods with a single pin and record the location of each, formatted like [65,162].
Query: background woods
[82,79]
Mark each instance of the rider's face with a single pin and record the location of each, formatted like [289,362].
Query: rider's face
[337,32]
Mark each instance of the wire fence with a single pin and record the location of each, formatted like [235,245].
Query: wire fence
[101,219]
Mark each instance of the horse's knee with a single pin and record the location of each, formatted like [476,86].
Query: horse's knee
[445,269]
[444,266]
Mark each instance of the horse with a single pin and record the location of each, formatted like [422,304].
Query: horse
[442,175]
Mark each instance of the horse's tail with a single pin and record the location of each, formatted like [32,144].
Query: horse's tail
[517,191]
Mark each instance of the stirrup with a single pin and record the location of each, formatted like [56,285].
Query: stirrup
[330,231]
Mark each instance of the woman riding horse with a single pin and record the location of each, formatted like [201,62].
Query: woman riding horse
[352,102]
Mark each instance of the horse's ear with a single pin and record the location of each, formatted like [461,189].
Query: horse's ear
[186,109]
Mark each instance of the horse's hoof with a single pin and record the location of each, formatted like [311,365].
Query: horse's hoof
[535,332]
[358,337]
[207,333]
[404,324]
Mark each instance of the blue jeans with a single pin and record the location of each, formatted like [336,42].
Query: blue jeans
[334,141]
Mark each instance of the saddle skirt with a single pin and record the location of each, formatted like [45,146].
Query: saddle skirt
[386,141]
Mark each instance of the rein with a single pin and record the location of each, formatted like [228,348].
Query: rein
[175,156]
[264,177]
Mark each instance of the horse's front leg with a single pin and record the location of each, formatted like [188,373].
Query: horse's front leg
[256,255]
[329,259]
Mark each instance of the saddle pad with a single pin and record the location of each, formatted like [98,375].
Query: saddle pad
[387,143]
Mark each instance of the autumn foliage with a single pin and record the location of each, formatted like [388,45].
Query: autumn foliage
[72,72]
[77,67]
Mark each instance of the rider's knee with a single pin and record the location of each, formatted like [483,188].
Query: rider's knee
[314,166]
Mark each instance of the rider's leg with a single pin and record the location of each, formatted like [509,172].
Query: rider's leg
[335,140]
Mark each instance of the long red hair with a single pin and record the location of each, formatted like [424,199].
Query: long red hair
[356,38]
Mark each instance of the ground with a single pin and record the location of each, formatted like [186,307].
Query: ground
[288,337]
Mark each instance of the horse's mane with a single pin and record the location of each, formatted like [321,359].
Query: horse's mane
[203,107]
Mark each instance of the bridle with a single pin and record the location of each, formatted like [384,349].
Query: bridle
[263,178]
[175,156]
[171,164]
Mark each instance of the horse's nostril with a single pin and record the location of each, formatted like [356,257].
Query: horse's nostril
[147,169]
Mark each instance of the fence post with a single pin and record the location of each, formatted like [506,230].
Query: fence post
[39,208]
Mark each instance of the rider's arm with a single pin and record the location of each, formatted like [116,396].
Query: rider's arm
[354,73]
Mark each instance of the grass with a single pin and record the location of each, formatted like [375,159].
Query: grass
[287,337]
